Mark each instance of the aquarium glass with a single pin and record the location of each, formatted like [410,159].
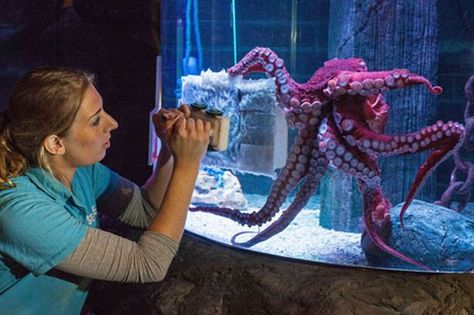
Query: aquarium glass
[346,138]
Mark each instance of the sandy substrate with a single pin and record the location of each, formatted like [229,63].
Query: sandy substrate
[302,239]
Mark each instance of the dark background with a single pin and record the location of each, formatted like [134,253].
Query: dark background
[118,40]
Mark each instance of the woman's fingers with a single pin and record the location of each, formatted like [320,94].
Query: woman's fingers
[191,127]
[167,117]
[186,110]
[199,126]
[207,128]
[181,126]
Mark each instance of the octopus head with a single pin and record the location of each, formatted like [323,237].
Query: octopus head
[349,64]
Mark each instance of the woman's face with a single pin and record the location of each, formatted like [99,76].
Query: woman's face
[89,136]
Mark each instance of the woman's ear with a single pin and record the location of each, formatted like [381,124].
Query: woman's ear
[54,145]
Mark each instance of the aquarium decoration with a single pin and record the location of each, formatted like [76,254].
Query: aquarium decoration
[340,114]
[462,176]
[216,186]
[441,238]
[258,136]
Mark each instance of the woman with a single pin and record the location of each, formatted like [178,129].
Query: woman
[53,135]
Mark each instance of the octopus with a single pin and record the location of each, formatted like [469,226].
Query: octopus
[462,176]
[340,115]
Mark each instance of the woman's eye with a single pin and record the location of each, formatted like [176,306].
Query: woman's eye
[96,121]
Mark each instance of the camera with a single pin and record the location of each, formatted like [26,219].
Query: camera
[219,137]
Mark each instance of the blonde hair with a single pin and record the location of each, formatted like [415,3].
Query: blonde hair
[44,102]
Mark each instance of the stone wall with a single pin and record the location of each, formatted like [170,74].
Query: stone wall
[207,278]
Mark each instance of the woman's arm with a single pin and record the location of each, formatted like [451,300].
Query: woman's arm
[188,144]
[155,187]
[134,205]
[105,256]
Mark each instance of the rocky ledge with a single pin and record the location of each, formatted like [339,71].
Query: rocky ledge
[206,278]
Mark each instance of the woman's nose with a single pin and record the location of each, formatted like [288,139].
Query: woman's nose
[112,123]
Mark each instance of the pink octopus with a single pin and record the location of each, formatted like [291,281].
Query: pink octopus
[340,114]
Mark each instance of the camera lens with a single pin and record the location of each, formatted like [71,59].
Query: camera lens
[214,112]
[198,105]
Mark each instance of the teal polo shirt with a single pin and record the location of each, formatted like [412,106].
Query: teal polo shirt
[41,223]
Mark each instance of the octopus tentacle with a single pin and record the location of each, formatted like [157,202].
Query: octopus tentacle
[376,206]
[443,148]
[373,197]
[371,83]
[466,187]
[376,112]
[347,158]
[267,61]
[306,114]
[447,196]
[291,174]
[314,168]
[373,143]
[306,191]
[285,182]
[444,138]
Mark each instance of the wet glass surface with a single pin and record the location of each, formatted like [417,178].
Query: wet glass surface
[327,181]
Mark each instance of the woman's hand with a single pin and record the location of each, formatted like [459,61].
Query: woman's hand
[165,120]
[190,141]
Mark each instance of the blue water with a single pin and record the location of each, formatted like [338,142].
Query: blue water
[200,35]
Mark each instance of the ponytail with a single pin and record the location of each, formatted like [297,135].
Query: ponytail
[12,163]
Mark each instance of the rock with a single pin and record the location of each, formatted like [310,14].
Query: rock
[206,278]
[436,236]
[218,187]
[171,299]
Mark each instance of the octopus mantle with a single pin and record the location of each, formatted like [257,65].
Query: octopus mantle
[340,114]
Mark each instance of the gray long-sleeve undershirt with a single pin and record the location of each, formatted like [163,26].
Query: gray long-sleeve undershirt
[106,256]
